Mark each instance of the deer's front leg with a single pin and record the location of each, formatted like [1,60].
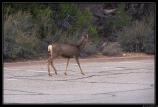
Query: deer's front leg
[79,65]
[67,65]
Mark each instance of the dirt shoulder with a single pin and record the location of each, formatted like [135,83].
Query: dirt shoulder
[94,58]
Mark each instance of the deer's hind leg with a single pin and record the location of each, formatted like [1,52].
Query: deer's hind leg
[49,63]
[53,67]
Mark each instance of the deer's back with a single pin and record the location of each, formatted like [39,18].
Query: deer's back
[66,50]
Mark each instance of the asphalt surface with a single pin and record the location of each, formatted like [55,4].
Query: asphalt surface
[104,82]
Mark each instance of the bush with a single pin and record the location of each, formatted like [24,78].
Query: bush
[27,30]
[90,49]
[149,43]
[20,37]
[139,37]
[29,27]
[92,31]
[122,18]
[112,49]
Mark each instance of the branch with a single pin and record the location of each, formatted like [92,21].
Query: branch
[109,11]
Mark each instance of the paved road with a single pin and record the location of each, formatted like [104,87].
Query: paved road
[108,82]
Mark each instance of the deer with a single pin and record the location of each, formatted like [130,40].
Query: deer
[66,50]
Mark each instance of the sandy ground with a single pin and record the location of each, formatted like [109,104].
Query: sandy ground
[116,80]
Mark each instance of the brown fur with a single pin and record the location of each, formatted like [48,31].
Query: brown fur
[66,50]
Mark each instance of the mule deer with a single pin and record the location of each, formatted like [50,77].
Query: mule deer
[65,50]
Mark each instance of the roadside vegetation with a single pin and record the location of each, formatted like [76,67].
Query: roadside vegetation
[28,28]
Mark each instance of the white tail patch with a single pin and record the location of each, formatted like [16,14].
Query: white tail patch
[50,49]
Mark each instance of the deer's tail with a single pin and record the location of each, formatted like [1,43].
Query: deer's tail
[50,50]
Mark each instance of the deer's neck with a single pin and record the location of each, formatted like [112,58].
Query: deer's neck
[81,44]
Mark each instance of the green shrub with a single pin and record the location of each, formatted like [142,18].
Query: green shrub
[92,31]
[27,29]
[120,20]
[90,49]
[112,49]
[20,39]
[149,43]
[139,37]
[68,9]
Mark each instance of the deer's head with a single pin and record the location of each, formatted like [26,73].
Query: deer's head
[83,41]
[84,38]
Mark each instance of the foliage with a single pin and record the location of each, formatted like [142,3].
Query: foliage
[29,27]
[121,18]
[20,37]
[90,49]
[92,31]
[116,22]
[140,10]
[112,49]
[138,37]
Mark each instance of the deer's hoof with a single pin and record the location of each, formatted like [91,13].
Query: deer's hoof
[50,74]
[65,73]
[82,73]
